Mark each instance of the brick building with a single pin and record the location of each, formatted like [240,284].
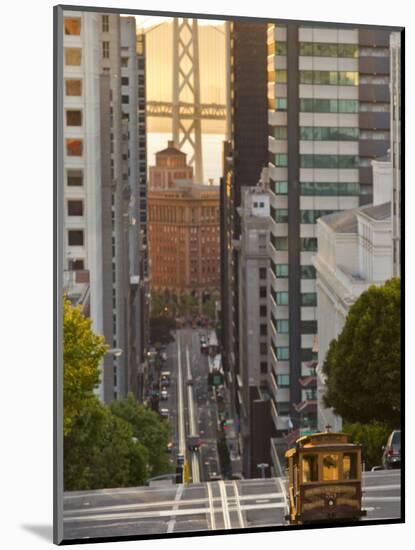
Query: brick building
[183,228]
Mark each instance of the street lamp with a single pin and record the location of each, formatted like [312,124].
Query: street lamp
[263,465]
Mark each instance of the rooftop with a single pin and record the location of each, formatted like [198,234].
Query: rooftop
[170,150]
[342,222]
[379,212]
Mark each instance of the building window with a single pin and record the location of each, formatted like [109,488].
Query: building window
[318,49]
[282,298]
[280,48]
[74,118]
[309,105]
[279,159]
[329,161]
[308,272]
[281,77]
[74,178]
[280,215]
[263,367]
[263,330]
[280,132]
[316,188]
[279,243]
[262,272]
[308,244]
[72,27]
[125,99]
[76,265]
[105,49]
[75,237]
[282,326]
[280,187]
[281,271]
[336,78]
[124,62]
[281,104]
[308,327]
[73,87]
[75,208]
[283,380]
[73,57]
[124,80]
[262,291]
[309,299]
[105,23]
[74,147]
[283,353]
[328,133]
[263,348]
[263,311]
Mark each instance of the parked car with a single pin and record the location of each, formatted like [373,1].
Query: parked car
[392,451]
[169,447]
[164,355]
[165,378]
[164,394]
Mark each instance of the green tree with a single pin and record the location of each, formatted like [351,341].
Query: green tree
[209,308]
[189,305]
[149,430]
[372,437]
[100,451]
[83,351]
[158,303]
[363,365]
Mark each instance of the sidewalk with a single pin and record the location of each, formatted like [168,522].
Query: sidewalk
[230,427]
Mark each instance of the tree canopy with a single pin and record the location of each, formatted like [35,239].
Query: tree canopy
[149,430]
[160,329]
[83,351]
[119,445]
[363,365]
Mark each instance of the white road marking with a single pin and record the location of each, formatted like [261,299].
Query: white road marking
[186,512]
[182,440]
[225,509]
[211,507]
[172,522]
[382,499]
[381,488]
[238,505]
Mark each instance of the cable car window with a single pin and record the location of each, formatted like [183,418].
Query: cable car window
[349,466]
[330,467]
[310,468]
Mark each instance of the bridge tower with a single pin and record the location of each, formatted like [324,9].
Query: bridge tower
[186,89]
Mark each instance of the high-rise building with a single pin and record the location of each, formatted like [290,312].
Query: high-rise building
[256,426]
[245,154]
[395,152]
[183,228]
[328,115]
[101,186]
[82,159]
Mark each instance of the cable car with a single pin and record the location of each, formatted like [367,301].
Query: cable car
[324,479]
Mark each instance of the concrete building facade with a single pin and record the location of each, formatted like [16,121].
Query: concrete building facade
[253,338]
[324,98]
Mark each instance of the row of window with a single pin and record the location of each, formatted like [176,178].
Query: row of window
[317,49]
[282,326]
[317,161]
[281,271]
[283,353]
[280,215]
[324,78]
[308,299]
[312,105]
[318,133]
[316,188]
[307,244]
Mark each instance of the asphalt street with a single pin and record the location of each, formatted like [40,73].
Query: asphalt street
[205,506]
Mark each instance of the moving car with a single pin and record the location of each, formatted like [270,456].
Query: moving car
[392,451]
[193,443]
[165,378]
[164,394]
[164,413]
